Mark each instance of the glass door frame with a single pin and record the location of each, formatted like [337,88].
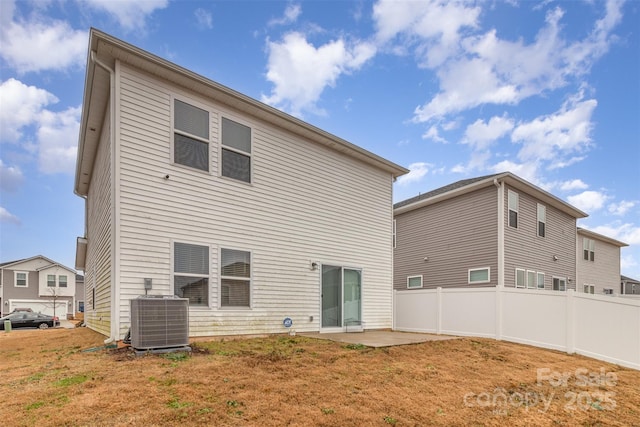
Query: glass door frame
[343,326]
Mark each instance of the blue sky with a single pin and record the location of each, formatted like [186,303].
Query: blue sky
[547,90]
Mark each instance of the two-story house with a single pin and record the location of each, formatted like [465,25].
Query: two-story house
[38,283]
[195,190]
[597,263]
[491,230]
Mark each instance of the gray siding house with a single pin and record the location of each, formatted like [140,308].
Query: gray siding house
[629,286]
[486,231]
[38,283]
[598,263]
[202,192]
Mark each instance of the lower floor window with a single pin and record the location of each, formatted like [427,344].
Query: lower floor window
[235,278]
[191,273]
[559,284]
[589,289]
[608,291]
[414,282]
[479,275]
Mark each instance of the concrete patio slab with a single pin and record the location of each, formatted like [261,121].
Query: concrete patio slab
[378,338]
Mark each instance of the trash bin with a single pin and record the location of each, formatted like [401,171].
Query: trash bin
[7,325]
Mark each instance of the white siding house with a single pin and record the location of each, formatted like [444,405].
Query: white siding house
[253,215]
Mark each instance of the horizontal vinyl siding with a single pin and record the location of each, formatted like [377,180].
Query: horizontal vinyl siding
[525,250]
[98,268]
[456,235]
[604,272]
[305,204]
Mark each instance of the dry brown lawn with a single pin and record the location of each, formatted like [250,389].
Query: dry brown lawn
[48,379]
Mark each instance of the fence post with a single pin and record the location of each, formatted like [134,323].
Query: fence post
[571,333]
[499,302]
[439,310]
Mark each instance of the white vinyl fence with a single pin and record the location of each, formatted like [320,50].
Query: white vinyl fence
[599,326]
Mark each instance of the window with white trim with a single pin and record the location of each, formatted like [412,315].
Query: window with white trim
[191,273]
[513,208]
[393,232]
[236,150]
[479,275]
[21,279]
[532,280]
[540,281]
[559,284]
[51,280]
[235,278]
[62,281]
[542,220]
[190,136]
[588,249]
[521,278]
[608,291]
[414,282]
[589,289]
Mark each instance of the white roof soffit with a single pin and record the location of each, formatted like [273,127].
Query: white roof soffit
[509,179]
[96,94]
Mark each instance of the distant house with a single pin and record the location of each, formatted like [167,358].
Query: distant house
[486,231]
[629,286]
[598,263]
[195,190]
[79,294]
[37,283]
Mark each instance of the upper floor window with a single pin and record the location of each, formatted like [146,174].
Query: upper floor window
[513,208]
[62,281]
[191,136]
[542,220]
[21,279]
[414,282]
[191,273]
[51,280]
[588,249]
[235,283]
[236,150]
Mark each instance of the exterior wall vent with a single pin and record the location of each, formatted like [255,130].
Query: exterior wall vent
[159,322]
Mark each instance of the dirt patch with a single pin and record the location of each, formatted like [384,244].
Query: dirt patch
[67,377]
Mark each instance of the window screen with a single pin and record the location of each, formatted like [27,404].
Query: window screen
[191,136]
[236,152]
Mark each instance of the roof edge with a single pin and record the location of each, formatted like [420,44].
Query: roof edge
[602,237]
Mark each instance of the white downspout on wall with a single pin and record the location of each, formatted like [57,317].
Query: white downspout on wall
[115,320]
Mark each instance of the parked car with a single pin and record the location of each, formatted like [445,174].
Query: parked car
[23,319]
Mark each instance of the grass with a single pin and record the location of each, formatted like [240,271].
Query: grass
[298,381]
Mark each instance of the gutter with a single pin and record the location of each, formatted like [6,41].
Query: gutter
[112,90]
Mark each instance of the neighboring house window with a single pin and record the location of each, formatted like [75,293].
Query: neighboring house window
[513,208]
[191,136]
[540,280]
[51,280]
[542,220]
[21,279]
[559,284]
[62,281]
[532,280]
[394,234]
[608,291]
[589,289]
[414,282]
[479,275]
[236,150]
[588,249]
[521,278]
[235,278]
[81,306]
[191,273]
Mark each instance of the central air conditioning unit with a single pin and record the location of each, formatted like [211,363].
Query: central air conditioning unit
[159,322]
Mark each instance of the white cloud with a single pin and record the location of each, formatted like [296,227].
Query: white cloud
[589,200]
[131,15]
[291,14]
[627,262]
[528,171]
[433,134]
[11,177]
[21,106]
[57,136]
[300,71]
[417,171]
[624,232]
[6,216]
[574,184]
[485,69]
[481,135]
[621,208]
[41,44]
[204,19]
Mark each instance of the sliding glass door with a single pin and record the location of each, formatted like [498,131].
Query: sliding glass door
[341,297]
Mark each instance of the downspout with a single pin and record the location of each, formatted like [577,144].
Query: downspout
[112,91]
